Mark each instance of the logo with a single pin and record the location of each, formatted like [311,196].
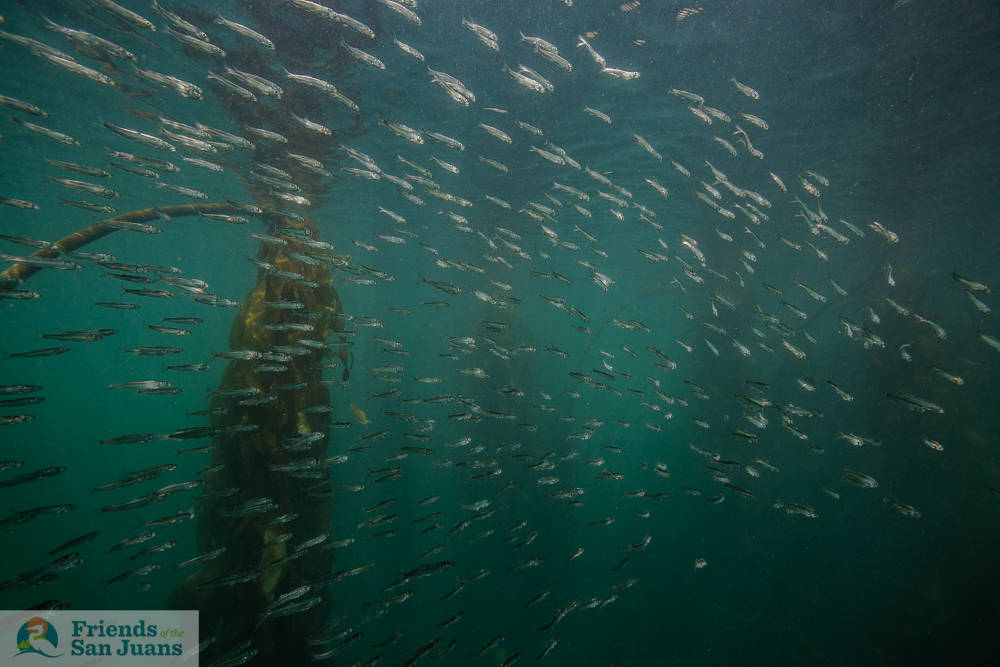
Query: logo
[38,636]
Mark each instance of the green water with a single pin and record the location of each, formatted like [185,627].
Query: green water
[894,104]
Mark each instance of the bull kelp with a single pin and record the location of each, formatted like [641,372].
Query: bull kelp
[388,332]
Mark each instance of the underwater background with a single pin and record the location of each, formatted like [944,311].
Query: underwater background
[893,104]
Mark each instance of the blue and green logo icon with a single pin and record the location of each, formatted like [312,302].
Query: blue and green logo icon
[38,636]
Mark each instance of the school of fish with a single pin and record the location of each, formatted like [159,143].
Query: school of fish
[515,394]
